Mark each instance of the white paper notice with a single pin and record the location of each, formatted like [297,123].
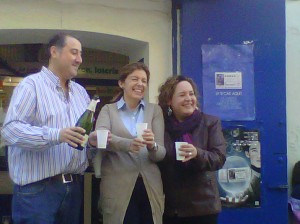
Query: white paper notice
[228,80]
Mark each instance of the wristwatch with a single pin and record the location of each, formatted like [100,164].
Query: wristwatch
[155,147]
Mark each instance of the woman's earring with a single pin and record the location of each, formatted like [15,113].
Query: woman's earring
[169,111]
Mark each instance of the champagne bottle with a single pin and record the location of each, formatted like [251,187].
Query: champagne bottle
[86,120]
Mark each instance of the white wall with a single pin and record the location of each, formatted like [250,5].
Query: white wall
[293,81]
[144,20]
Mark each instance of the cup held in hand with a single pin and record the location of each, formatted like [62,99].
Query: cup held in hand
[102,138]
[140,127]
[177,146]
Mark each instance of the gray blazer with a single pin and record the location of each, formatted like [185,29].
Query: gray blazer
[120,168]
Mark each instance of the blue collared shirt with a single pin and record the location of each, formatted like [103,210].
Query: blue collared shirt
[38,110]
[129,117]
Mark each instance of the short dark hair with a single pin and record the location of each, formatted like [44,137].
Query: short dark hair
[58,40]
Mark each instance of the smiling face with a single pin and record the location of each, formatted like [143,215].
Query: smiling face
[184,101]
[65,61]
[134,87]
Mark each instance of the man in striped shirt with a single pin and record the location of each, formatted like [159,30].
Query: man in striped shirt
[38,129]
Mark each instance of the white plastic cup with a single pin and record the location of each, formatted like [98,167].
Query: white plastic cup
[177,146]
[140,127]
[102,138]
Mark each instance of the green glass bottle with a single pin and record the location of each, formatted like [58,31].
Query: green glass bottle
[86,120]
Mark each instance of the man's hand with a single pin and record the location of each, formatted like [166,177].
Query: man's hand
[73,136]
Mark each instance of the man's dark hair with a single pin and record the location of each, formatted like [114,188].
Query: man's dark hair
[58,40]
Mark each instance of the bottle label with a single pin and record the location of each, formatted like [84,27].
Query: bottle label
[86,137]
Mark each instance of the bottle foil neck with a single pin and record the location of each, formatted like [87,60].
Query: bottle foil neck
[93,104]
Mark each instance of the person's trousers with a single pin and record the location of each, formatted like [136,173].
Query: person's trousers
[139,208]
[205,219]
[48,201]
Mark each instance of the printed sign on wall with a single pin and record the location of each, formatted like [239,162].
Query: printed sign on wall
[228,81]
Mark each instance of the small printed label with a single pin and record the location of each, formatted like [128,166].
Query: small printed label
[238,174]
[86,137]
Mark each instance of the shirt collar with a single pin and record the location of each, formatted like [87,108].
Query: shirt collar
[121,104]
[54,78]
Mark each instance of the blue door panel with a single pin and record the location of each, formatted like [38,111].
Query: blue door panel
[277,179]
[233,22]
[241,216]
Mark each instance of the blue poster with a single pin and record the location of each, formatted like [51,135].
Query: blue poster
[228,81]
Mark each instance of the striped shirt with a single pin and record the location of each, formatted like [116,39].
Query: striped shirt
[129,117]
[38,110]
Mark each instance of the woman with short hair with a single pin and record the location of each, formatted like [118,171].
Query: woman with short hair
[190,185]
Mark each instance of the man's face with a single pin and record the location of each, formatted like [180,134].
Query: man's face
[254,154]
[66,60]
